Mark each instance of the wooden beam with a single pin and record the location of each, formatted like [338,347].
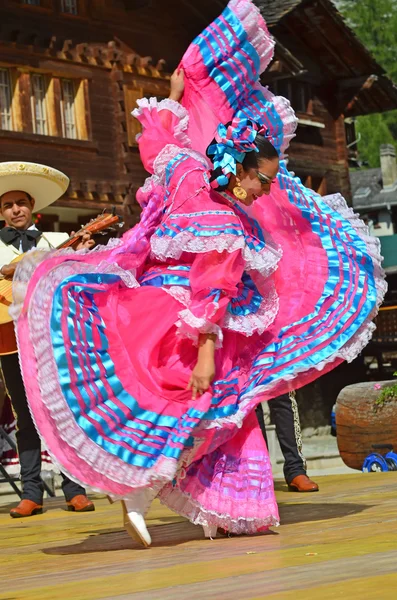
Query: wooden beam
[197,12]
[365,86]
[353,82]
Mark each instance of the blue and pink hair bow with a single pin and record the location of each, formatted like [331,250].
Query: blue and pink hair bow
[232,144]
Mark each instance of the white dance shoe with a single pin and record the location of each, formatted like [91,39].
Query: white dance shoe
[210,531]
[135,526]
[134,510]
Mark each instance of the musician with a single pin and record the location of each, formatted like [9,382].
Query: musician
[285,416]
[26,188]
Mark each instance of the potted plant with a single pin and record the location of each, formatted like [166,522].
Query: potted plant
[366,414]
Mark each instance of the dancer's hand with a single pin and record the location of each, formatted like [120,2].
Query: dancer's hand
[177,85]
[202,376]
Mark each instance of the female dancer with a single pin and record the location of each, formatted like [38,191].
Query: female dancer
[144,361]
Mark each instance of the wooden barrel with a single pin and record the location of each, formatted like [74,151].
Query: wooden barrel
[359,425]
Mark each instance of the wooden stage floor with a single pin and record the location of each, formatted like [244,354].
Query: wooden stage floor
[338,543]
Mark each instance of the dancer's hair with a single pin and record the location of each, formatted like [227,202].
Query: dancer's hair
[266,150]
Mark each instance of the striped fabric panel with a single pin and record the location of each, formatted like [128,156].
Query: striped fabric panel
[103,409]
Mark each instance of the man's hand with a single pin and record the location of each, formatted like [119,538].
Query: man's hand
[85,242]
[8,270]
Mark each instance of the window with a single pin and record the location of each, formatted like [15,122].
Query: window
[69,7]
[68,109]
[39,107]
[5,100]
[299,93]
[351,137]
[32,2]
[44,104]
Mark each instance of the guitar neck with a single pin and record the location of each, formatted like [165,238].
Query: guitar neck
[96,226]
[69,242]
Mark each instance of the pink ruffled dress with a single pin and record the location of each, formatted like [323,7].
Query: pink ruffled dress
[108,338]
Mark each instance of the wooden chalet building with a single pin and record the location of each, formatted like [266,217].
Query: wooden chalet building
[71,70]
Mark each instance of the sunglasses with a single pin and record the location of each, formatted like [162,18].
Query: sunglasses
[264,179]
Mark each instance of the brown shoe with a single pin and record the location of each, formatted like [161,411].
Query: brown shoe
[26,508]
[302,483]
[80,503]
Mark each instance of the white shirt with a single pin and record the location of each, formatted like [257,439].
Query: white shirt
[47,241]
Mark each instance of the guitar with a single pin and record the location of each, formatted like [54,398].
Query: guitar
[8,344]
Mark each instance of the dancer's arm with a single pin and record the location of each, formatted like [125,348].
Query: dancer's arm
[163,123]
[204,371]
[177,85]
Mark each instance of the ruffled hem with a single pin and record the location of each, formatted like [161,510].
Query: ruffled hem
[264,262]
[145,192]
[287,115]
[349,351]
[95,458]
[256,29]
[167,104]
[187,507]
[247,325]
[255,322]
[361,339]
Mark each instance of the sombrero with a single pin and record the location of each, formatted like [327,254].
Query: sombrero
[43,183]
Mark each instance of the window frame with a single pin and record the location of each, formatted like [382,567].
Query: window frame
[63,81]
[7,85]
[43,5]
[68,12]
[44,104]
[299,93]
[133,91]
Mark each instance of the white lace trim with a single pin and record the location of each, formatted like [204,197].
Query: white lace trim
[167,104]
[72,435]
[190,326]
[127,277]
[168,153]
[359,340]
[186,506]
[246,324]
[255,26]
[265,261]
[150,183]
[337,203]
[255,322]
[286,113]
[167,247]
[179,293]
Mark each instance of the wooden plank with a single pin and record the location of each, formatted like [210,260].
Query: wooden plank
[131,95]
[54,107]
[20,103]
[340,542]
[82,110]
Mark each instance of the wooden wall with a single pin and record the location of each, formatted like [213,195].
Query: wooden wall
[319,155]
[105,166]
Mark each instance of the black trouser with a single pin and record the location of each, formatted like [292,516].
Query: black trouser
[284,416]
[29,445]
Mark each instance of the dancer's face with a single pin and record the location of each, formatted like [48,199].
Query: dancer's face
[257,182]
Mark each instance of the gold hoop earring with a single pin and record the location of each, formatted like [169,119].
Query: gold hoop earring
[239,192]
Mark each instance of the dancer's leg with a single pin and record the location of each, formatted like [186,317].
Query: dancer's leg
[135,508]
